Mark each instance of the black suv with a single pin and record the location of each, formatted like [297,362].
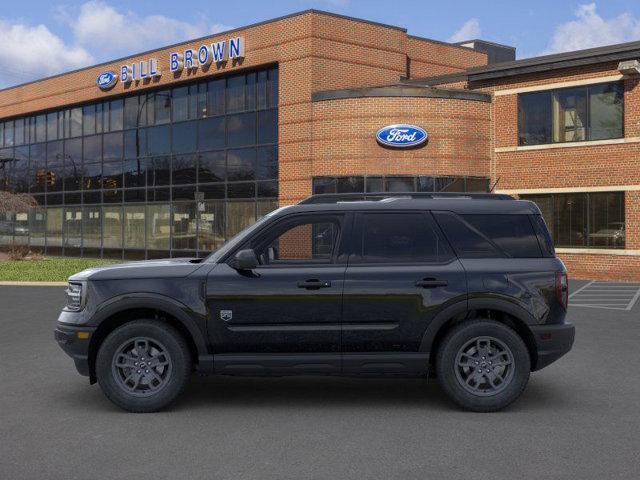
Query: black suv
[463,287]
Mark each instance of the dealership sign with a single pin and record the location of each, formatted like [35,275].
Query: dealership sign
[401,136]
[189,59]
[106,80]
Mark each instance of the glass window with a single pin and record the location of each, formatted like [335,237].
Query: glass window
[514,234]
[112,226]
[324,185]
[240,214]
[131,112]
[235,93]
[112,175]
[73,227]
[272,88]
[92,149]
[21,169]
[52,126]
[184,137]
[89,120]
[41,129]
[92,178]
[592,112]
[135,143]
[606,106]
[261,89]
[72,164]
[184,226]
[534,118]
[112,145]
[134,226]
[54,227]
[211,133]
[267,167]
[162,107]
[480,185]
[116,118]
[374,184]
[158,227]
[593,220]
[241,190]
[241,129]
[212,167]
[241,164]
[8,134]
[180,102]
[425,184]
[399,184]
[19,132]
[102,117]
[160,172]
[37,226]
[92,227]
[305,241]
[75,122]
[351,184]
[268,189]
[184,169]
[158,140]
[400,237]
[268,126]
[449,184]
[570,115]
[466,240]
[215,97]
[201,102]
[39,166]
[211,226]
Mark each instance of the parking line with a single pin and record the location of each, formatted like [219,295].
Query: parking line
[634,300]
[582,288]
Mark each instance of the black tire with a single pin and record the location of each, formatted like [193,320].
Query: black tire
[476,391]
[124,385]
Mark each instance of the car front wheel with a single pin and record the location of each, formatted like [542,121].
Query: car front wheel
[483,365]
[143,366]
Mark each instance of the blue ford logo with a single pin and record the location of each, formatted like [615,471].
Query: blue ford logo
[106,80]
[401,136]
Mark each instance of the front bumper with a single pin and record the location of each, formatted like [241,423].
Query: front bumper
[75,343]
[552,342]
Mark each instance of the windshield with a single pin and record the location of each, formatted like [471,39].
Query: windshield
[239,237]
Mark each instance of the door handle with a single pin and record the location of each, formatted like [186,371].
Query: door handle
[314,284]
[431,283]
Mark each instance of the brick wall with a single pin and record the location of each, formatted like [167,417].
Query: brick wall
[614,164]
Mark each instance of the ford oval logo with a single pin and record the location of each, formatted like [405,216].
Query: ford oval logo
[401,136]
[106,80]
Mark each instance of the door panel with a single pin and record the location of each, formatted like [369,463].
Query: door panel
[268,312]
[400,276]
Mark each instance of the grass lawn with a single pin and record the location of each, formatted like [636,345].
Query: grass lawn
[50,269]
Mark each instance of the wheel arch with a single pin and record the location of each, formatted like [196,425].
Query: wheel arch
[149,307]
[503,311]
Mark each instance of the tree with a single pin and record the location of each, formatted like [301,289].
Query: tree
[16,202]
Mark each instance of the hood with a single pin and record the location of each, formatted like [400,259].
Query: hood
[163,268]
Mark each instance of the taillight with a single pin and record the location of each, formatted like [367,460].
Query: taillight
[562,289]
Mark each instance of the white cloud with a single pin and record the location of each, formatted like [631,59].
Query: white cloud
[591,30]
[104,29]
[469,31]
[28,52]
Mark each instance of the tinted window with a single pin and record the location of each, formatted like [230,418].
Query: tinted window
[514,234]
[400,237]
[467,241]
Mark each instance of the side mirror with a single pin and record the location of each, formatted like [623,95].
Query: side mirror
[245,260]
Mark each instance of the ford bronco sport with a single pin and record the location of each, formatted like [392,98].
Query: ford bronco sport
[463,287]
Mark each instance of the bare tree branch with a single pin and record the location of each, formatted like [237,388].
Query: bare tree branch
[16,202]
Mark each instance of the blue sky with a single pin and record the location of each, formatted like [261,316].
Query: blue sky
[43,37]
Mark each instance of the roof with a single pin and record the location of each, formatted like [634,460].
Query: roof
[590,56]
[490,204]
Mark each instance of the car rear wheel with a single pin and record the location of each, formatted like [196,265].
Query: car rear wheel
[483,365]
[143,366]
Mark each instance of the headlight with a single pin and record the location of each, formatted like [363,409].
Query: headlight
[75,297]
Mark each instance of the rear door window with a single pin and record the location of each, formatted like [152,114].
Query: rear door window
[400,238]
[491,236]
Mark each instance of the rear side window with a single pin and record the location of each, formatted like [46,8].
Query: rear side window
[401,238]
[491,236]
[544,237]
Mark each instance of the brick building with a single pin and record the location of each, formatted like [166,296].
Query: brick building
[171,151]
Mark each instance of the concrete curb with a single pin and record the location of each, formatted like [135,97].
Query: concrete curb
[34,284]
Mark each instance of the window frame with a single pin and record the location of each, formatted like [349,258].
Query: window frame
[552,93]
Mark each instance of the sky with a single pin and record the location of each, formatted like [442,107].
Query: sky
[39,38]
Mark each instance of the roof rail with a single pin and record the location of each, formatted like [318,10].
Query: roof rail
[377,196]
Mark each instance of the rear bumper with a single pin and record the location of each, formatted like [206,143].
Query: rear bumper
[552,342]
[75,343]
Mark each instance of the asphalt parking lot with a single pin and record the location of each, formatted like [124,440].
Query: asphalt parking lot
[578,419]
